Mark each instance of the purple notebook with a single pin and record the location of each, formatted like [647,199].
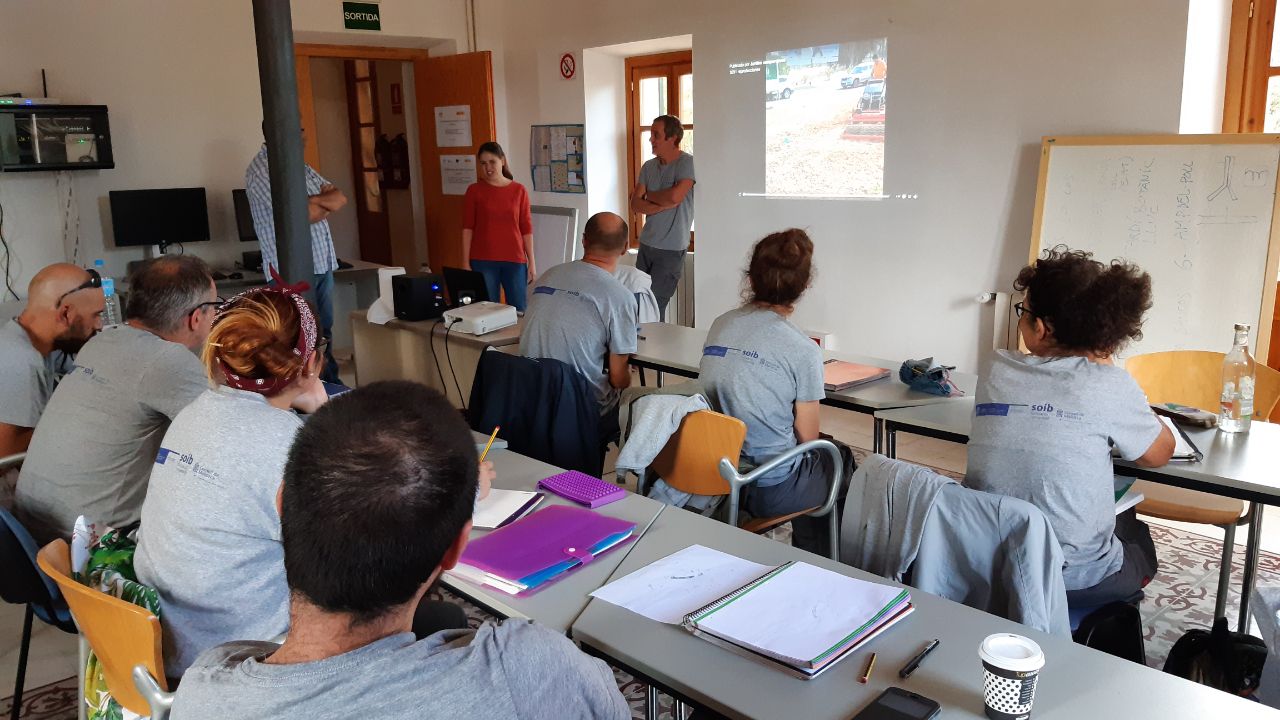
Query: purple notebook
[549,537]
[583,489]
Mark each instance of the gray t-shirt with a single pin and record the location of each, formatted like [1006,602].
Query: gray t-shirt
[517,670]
[579,314]
[92,452]
[756,366]
[669,229]
[210,535]
[1043,430]
[28,378]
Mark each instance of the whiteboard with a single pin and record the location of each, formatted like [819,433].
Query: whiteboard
[1195,211]
[554,235]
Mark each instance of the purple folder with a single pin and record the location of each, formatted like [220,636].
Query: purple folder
[543,539]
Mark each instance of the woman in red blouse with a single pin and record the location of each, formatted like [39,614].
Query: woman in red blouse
[497,228]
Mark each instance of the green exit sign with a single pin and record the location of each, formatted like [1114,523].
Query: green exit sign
[361,16]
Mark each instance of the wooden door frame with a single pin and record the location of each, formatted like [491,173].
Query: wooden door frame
[634,68]
[302,55]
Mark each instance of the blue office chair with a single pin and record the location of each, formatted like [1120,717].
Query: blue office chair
[24,584]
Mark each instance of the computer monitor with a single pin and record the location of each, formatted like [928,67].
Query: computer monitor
[159,217]
[244,217]
[464,284]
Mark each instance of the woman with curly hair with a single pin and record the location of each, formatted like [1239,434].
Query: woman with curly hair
[1045,422]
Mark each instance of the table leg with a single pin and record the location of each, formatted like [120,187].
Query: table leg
[651,703]
[659,378]
[641,376]
[890,441]
[1250,564]
[877,442]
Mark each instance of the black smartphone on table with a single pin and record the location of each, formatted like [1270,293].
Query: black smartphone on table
[898,704]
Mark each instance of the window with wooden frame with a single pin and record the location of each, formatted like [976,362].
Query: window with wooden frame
[1252,100]
[659,84]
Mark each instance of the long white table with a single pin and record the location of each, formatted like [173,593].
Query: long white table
[557,605]
[1076,682]
[676,349]
[1242,466]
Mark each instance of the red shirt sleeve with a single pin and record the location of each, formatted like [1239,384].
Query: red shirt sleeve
[469,208]
[526,217]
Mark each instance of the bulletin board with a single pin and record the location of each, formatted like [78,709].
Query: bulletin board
[556,154]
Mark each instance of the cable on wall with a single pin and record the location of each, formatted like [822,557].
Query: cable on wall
[7,259]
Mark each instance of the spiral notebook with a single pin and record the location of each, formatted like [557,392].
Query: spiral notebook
[799,617]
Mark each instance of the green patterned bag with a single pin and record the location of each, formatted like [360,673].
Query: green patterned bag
[109,568]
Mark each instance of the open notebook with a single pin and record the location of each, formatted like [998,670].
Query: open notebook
[798,618]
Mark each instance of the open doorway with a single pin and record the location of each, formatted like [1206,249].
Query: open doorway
[365,140]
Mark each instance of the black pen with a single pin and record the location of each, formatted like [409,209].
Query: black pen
[915,661]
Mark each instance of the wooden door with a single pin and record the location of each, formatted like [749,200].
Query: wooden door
[465,79]
[371,204]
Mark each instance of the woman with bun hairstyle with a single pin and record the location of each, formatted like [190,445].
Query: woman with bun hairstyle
[1046,422]
[758,367]
[497,228]
[210,536]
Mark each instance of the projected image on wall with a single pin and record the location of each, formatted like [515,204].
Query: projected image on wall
[825,118]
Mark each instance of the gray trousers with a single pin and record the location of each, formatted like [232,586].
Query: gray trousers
[665,268]
[807,487]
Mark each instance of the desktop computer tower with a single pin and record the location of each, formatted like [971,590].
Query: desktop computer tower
[418,296]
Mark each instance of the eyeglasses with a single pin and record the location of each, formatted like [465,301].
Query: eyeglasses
[216,303]
[94,281]
[1019,309]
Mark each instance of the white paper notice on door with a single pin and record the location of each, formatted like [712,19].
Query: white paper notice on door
[453,126]
[457,172]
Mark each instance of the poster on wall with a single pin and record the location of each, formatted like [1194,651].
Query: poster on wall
[453,126]
[457,172]
[556,155]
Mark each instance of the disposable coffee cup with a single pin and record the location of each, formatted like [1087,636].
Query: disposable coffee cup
[1010,668]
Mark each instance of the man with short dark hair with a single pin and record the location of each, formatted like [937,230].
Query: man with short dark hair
[376,502]
[581,315]
[64,309]
[664,195]
[92,450]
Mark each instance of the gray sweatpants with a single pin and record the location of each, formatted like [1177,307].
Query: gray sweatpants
[665,268]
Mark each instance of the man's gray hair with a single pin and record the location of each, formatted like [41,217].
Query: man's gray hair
[163,291]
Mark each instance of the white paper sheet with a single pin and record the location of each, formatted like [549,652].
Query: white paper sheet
[680,583]
[457,172]
[498,506]
[453,126]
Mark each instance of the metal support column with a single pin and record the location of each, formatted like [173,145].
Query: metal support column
[273,29]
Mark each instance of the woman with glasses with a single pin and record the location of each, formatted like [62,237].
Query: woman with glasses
[210,535]
[1046,422]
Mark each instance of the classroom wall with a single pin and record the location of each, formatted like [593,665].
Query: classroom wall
[976,84]
[181,81]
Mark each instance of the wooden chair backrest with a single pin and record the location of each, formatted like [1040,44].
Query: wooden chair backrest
[691,458]
[121,634]
[1194,377]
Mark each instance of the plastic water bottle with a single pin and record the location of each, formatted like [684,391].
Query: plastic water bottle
[1237,385]
[111,310]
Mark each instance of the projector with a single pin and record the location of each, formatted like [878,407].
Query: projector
[480,318]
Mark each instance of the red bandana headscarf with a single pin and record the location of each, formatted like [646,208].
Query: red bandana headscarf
[306,339]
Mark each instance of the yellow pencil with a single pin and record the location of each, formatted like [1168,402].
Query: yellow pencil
[866,674]
[496,428]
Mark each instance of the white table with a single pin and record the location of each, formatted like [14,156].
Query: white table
[559,604]
[1076,682]
[1242,466]
[678,350]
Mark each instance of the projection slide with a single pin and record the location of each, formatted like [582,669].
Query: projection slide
[825,119]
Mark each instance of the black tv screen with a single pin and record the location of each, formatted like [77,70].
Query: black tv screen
[159,217]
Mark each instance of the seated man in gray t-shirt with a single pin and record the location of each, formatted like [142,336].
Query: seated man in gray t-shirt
[376,503]
[64,309]
[581,315]
[91,453]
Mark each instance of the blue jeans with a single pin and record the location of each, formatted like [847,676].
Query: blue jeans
[512,277]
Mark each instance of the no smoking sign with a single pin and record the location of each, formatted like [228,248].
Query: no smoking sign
[568,66]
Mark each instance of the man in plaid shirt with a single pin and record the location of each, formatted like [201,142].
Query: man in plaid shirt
[323,198]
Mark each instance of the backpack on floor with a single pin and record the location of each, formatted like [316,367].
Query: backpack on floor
[1115,629]
[1219,658]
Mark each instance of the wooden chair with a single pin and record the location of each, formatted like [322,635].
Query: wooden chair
[1194,377]
[124,636]
[695,457]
